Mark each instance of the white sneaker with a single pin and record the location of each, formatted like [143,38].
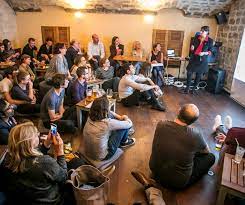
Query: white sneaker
[131,131]
[228,122]
[217,122]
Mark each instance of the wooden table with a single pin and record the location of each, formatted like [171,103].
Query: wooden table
[129,58]
[232,181]
[81,106]
[92,83]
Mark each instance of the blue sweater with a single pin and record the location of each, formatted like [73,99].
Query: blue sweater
[78,91]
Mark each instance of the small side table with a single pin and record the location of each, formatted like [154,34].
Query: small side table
[81,106]
[232,181]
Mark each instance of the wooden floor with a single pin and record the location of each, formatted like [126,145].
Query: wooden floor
[124,190]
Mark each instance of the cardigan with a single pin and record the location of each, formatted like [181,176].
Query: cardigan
[58,64]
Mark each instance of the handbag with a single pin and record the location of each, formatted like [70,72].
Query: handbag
[90,185]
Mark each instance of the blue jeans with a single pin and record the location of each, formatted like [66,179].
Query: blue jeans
[189,78]
[138,66]
[116,138]
[157,75]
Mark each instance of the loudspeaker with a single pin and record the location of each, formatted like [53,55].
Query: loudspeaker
[221,17]
[216,80]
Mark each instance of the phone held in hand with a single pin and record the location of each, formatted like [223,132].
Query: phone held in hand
[53,130]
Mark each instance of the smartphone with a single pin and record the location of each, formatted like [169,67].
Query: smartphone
[53,129]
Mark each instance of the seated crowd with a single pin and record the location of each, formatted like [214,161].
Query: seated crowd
[33,176]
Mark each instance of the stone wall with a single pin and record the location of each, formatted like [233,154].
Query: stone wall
[189,7]
[231,35]
[8,27]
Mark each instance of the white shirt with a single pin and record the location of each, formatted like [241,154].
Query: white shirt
[96,50]
[5,86]
[129,83]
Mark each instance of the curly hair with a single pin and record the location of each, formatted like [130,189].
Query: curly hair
[99,109]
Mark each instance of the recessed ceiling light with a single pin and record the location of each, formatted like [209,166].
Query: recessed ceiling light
[77,4]
[78,14]
[150,4]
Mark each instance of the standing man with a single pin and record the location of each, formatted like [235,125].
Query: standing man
[200,49]
[31,50]
[96,51]
[72,52]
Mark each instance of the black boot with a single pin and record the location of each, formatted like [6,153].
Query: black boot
[158,106]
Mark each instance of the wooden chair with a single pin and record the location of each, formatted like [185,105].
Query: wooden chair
[232,181]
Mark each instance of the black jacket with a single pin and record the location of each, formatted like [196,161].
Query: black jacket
[113,50]
[40,183]
[43,50]
[200,63]
[30,51]
[71,54]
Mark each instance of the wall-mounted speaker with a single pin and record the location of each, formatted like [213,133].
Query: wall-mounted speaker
[221,17]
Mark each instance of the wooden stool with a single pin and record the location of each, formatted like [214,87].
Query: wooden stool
[232,181]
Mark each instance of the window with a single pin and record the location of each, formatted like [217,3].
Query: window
[238,84]
[57,33]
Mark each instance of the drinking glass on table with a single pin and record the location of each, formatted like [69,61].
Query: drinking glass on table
[239,154]
[89,93]
[101,92]
[219,139]
[218,144]
[109,93]
[95,91]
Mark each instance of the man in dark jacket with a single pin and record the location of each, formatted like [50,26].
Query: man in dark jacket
[7,121]
[31,50]
[46,51]
[200,49]
[72,52]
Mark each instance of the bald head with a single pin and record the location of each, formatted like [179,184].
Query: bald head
[188,113]
[95,38]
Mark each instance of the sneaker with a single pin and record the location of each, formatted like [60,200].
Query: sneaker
[131,131]
[129,142]
[228,122]
[217,122]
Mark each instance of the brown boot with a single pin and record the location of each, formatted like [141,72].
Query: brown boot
[141,178]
